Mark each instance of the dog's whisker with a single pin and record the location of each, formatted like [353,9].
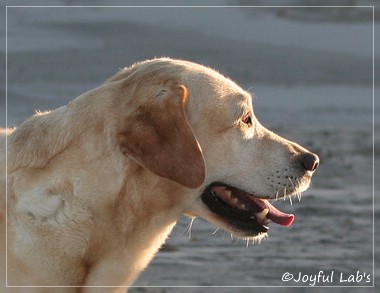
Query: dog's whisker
[257,241]
[191,226]
[296,192]
[217,229]
[291,182]
[284,194]
[290,199]
[299,195]
[188,228]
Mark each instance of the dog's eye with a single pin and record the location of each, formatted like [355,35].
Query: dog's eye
[248,120]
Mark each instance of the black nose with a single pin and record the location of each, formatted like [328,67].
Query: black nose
[310,161]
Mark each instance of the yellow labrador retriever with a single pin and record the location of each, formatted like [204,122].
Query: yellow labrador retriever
[95,187]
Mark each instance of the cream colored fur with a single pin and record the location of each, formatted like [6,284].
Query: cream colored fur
[95,187]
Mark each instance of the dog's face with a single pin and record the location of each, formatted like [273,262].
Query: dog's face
[208,139]
[247,165]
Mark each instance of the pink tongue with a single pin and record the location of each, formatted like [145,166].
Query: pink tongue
[279,217]
[274,214]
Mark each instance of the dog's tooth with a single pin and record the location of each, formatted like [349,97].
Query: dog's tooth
[228,192]
[262,214]
[243,207]
[234,200]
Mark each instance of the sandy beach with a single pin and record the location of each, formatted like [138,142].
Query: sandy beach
[311,73]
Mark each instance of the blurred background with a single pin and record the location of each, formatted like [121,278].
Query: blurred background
[311,72]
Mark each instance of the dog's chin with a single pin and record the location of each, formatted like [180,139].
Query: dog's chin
[238,212]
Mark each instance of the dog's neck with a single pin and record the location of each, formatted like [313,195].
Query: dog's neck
[138,228]
[115,237]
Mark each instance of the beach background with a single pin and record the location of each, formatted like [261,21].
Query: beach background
[311,72]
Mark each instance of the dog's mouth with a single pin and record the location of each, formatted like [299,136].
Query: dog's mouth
[243,212]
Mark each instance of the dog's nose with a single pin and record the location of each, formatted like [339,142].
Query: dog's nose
[310,161]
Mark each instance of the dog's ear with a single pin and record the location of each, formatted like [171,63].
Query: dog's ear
[159,137]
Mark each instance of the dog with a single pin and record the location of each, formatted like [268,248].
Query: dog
[95,187]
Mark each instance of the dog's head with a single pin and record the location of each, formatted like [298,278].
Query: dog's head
[192,125]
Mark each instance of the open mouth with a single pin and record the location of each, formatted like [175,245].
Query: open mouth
[244,212]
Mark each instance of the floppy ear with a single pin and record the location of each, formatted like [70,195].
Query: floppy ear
[158,136]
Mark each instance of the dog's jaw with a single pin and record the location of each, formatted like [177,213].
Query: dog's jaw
[242,214]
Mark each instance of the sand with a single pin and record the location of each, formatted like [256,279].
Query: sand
[311,74]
